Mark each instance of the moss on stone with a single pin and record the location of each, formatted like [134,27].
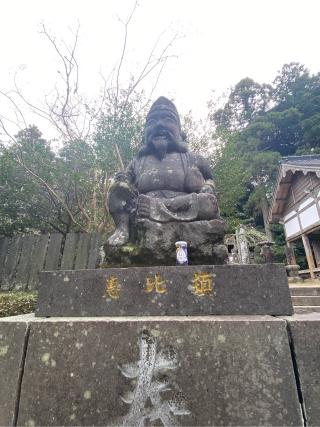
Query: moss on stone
[130,248]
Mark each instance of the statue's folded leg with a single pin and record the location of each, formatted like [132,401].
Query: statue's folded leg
[121,203]
[208,207]
[180,208]
[189,207]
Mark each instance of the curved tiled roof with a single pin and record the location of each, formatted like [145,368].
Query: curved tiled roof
[309,160]
[304,164]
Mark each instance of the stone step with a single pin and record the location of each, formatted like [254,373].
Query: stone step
[305,290]
[306,300]
[302,309]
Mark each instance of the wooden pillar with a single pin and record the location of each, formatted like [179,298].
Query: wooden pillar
[315,243]
[309,255]
[291,258]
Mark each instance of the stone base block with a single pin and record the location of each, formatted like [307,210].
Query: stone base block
[155,244]
[13,339]
[305,335]
[168,371]
[152,291]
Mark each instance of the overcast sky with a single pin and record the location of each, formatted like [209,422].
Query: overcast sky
[223,41]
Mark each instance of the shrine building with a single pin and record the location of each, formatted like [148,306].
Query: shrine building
[296,205]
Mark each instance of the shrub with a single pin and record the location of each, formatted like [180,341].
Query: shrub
[14,303]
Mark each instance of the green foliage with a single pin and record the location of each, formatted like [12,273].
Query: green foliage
[198,134]
[290,84]
[80,183]
[275,131]
[231,177]
[24,205]
[43,190]
[120,125]
[14,303]
[311,131]
[259,125]
[279,118]
[300,254]
[279,243]
[247,100]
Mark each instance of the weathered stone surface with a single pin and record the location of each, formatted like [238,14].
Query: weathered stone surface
[149,291]
[305,332]
[221,371]
[155,244]
[13,334]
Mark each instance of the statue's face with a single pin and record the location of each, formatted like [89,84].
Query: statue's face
[162,129]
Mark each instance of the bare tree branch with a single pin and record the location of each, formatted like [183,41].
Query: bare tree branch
[73,118]
[4,128]
[126,25]
[15,105]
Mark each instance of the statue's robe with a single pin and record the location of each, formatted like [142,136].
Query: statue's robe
[172,185]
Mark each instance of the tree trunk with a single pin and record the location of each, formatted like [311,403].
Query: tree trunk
[265,212]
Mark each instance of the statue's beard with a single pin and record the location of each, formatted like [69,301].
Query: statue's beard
[160,144]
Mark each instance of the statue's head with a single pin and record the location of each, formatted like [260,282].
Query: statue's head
[163,130]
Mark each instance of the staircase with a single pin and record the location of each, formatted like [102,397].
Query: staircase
[306,297]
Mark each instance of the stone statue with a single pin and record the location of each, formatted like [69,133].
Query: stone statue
[165,192]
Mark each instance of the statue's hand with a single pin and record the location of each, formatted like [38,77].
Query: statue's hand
[143,210]
[121,177]
[119,237]
[208,187]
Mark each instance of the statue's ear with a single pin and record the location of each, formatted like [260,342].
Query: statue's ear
[183,136]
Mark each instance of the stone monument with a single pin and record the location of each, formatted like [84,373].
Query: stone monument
[166,194]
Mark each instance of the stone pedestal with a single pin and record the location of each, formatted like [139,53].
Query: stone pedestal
[149,370]
[293,273]
[13,342]
[155,244]
[179,291]
[305,338]
[266,251]
[189,371]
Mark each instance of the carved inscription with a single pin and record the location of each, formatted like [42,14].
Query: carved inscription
[150,378]
[155,284]
[113,287]
[202,284]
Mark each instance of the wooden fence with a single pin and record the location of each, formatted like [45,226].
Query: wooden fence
[22,257]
